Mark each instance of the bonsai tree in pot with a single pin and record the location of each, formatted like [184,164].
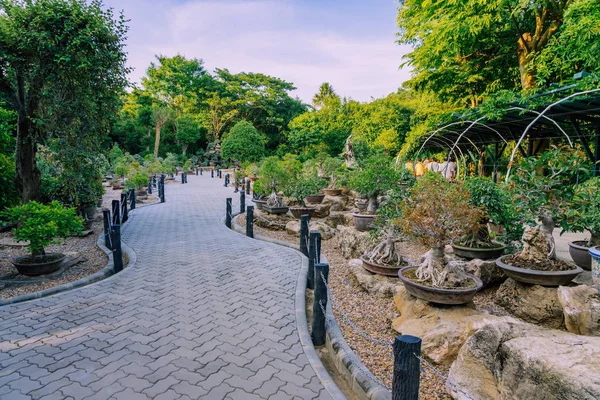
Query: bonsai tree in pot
[541,187]
[252,171]
[300,190]
[272,173]
[498,209]
[42,225]
[582,214]
[436,212]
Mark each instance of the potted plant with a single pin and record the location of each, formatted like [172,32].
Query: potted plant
[252,172]
[436,212]
[139,180]
[582,214]
[42,225]
[301,190]
[498,209]
[272,173]
[373,179]
[310,170]
[540,187]
[328,167]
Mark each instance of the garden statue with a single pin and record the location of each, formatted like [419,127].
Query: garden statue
[349,154]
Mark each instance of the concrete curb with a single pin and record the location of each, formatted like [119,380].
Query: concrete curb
[346,361]
[301,322]
[101,275]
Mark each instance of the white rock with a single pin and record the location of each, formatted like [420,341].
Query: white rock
[581,309]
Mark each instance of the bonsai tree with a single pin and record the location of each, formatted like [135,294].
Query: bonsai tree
[497,207]
[303,187]
[139,180]
[583,212]
[252,170]
[42,225]
[540,187]
[375,177]
[121,170]
[260,189]
[187,165]
[273,173]
[436,212]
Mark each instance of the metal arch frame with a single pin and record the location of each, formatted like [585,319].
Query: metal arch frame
[447,142]
[512,157]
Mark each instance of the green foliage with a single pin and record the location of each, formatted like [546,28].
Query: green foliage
[43,225]
[304,186]
[582,213]
[170,164]
[438,211]
[273,173]
[261,188]
[375,177]
[8,194]
[252,170]
[244,143]
[139,180]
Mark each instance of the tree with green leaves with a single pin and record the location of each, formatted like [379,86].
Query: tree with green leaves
[62,70]
[325,92]
[244,143]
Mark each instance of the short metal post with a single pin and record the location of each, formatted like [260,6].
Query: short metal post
[304,221]
[248,187]
[196,171]
[117,252]
[320,304]
[407,371]
[182,178]
[228,215]
[106,219]
[200,171]
[154,181]
[314,257]
[124,214]
[250,222]
[212,173]
[161,187]
[116,212]
[242,202]
[220,174]
[149,185]
[226,180]
[132,199]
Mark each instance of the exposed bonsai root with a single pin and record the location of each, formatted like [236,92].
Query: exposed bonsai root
[385,253]
[441,274]
[273,200]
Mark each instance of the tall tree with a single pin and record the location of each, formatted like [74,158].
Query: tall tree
[62,70]
[325,92]
[464,50]
[160,116]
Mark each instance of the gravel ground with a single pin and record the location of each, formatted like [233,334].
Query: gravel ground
[372,315]
[85,246]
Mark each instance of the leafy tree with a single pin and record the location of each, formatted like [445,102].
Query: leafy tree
[244,143]
[62,69]
[188,132]
[8,194]
[325,92]
[375,177]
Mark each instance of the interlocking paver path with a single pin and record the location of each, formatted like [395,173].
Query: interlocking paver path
[204,313]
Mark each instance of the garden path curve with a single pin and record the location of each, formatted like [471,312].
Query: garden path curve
[205,313]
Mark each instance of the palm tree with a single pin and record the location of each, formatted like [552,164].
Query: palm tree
[325,92]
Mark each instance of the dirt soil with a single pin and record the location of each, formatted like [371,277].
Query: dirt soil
[549,265]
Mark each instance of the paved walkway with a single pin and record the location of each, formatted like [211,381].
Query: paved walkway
[205,313]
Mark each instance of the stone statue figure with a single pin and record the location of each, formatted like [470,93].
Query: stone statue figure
[349,154]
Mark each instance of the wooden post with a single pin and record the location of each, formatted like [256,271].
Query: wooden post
[304,223]
[117,252]
[132,199]
[161,188]
[242,202]
[116,212]
[124,214]
[212,173]
[248,187]
[407,369]
[149,185]
[320,304]
[250,222]
[314,257]
[106,220]
[228,211]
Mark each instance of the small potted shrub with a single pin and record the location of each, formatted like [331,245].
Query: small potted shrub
[42,225]
[328,168]
[498,209]
[310,171]
[301,190]
[583,214]
[373,179]
[273,173]
[436,212]
[252,172]
[259,192]
[540,187]
[121,170]
[139,180]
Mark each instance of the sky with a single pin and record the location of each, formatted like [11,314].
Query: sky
[348,43]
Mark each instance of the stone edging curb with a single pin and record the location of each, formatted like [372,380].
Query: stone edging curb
[346,361]
[88,280]
[301,322]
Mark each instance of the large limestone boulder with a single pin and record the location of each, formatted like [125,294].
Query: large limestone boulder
[581,309]
[486,270]
[442,329]
[517,361]
[532,303]
[336,203]
[271,221]
[337,218]
[353,243]
[322,210]
[376,285]
[293,228]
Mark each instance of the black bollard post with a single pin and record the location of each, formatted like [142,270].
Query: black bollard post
[124,214]
[250,222]
[154,181]
[226,180]
[182,178]
[132,199]
[116,212]
[212,173]
[161,186]
[117,252]
[314,257]
[407,371]
[320,304]
[200,171]
[228,213]
[196,171]
[106,219]
[242,202]
[149,185]
[304,222]
[248,187]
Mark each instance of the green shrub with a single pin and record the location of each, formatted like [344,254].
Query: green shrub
[374,178]
[305,186]
[244,143]
[43,225]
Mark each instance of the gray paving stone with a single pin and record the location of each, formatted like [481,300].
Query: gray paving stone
[205,313]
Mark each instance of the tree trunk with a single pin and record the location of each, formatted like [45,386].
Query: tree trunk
[184,148]
[27,175]
[157,139]
[526,69]
[594,240]
[372,206]
[547,229]
[149,134]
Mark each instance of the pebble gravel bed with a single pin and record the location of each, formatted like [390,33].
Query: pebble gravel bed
[372,315]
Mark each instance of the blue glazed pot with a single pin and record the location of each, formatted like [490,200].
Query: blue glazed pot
[595,253]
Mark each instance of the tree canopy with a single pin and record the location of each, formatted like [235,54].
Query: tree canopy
[244,143]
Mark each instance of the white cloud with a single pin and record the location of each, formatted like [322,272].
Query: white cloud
[271,37]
